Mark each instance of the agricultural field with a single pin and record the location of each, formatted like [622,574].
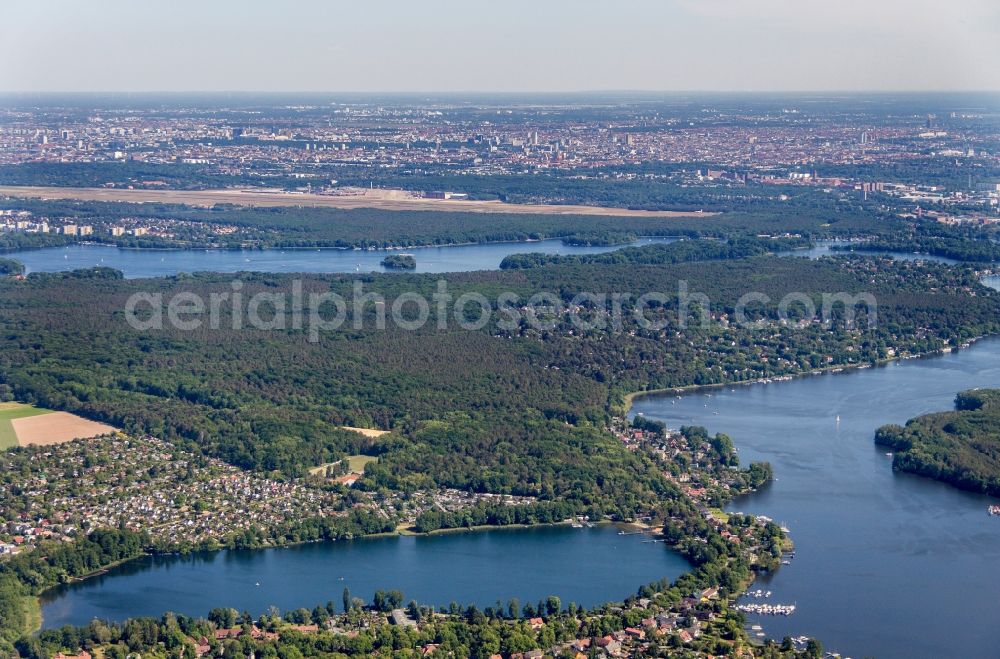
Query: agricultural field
[8,413]
[21,425]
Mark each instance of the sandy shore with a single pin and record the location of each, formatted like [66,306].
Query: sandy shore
[390,200]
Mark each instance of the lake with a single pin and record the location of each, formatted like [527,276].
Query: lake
[588,566]
[136,263]
[886,564]
[824,248]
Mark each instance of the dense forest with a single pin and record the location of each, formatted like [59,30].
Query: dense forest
[11,241]
[969,243]
[11,266]
[961,447]
[96,174]
[510,407]
[679,252]
[972,251]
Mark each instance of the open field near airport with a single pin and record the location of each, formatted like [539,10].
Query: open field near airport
[389,200]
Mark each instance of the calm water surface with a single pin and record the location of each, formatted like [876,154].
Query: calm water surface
[588,566]
[135,263]
[886,565]
[823,248]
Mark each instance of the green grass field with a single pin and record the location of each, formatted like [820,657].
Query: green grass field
[356,463]
[10,411]
[718,514]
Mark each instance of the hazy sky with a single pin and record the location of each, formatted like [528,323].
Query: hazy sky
[505,45]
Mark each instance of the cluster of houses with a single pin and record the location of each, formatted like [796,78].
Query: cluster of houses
[54,491]
[686,625]
[203,647]
[407,507]
[686,621]
[83,654]
[742,144]
[22,221]
[700,480]
[26,532]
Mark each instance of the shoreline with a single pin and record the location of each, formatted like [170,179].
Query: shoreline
[788,544]
[36,613]
[36,602]
[333,248]
[408,532]
[630,398]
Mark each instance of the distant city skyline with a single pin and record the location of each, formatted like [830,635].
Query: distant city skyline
[517,46]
